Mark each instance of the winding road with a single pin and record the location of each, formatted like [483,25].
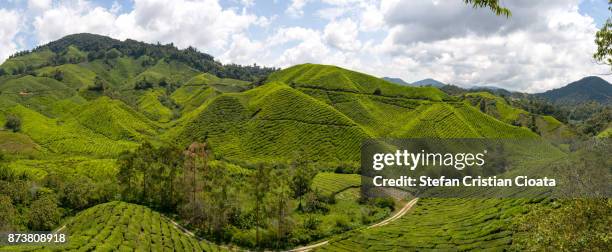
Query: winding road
[396,216]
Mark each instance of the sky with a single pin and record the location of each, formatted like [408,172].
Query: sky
[545,44]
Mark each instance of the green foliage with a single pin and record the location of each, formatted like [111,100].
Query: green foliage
[8,213]
[603,40]
[118,225]
[150,104]
[492,4]
[339,79]
[328,183]
[13,123]
[440,224]
[100,47]
[568,225]
[44,213]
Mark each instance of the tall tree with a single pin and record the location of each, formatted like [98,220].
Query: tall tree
[603,39]
[260,181]
[195,168]
[280,207]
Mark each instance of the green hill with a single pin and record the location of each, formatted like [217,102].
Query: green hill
[587,89]
[85,99]
[120,226]
[60,136]
[115,120]
[338,79]
[272,122]
[275,119]
[546,126]
[440,225]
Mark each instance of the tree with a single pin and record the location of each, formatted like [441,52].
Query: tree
[492,4]
[8,213]
[377,91]
[260,181]
[302,180]
[13,123]
[44,213]
[195,168]
[603,39]
[280,207]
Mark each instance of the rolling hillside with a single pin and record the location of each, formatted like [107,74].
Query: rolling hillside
[84,100]
[496,106]
[120,226]
[584,90]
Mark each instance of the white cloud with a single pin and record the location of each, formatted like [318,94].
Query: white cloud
[296,7]
[243,50]
[343,35]
[371,18]
[10,25]
[200,23]
[73,17]
[38,5]
[545,44]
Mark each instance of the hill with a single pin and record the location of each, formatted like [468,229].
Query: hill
[326,112]
[428,82]
[338,79]
[85,47]
[584,90]
[496,106]
[396,81]
[120,226]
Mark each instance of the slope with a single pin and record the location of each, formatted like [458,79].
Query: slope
[587,89]
[440,225]
[273,122]
[68,136]
[115,120]
[120,226]
[547,126]
[335,78]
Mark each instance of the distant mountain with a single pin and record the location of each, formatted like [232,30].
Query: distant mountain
[486,87]
[396,81]
[428,82]
[587,89]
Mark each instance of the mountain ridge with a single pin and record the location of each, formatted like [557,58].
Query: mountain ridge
[591,88]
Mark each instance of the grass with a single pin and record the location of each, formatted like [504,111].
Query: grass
[440,224]
[120,226]
[115,120]
[38,169]
[150,106]
[31,60]
[272,122]
[75,76]
[17,143]
[329,183]
[339,79]
[68,137]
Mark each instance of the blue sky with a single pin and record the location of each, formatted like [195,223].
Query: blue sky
[545,44]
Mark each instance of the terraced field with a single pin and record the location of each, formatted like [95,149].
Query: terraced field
[329,183]
[60,136]
[120,226]
[269,123]
[439,225]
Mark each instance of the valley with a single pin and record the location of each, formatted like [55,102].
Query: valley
[121,144]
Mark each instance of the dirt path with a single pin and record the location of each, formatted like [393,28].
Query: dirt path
[396,216]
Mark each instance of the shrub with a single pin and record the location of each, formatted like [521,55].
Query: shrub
[377,91]
[385,203]
[13,123]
